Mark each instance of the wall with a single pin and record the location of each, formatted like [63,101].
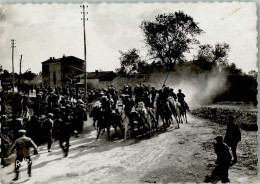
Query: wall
[55,67]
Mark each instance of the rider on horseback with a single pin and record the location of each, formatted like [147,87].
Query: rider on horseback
[182,101]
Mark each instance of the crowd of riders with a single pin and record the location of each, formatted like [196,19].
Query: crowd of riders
[58,114]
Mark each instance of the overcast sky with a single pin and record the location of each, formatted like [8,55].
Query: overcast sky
[43,30]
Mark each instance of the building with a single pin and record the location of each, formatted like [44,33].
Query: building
[58,71]
[98,79]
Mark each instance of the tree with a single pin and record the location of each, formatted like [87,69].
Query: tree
[1,69]
[253,73]
[170,36]
[233,70]
[209,56]
[131,62]
[28,75]
[5,75]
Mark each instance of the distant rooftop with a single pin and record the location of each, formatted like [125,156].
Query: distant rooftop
[101,75]
[62,59]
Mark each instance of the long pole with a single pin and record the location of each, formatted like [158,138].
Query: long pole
[12,45]
[20,65]
[85,53]
[166,78]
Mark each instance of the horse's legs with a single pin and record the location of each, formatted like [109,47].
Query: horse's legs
[126,129]
[164,126]
[108,133]
[175,116]
[186,116]
[99,131]
[94,124]
[149,127]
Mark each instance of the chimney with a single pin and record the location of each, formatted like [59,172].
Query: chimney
[96,72]
[50,58]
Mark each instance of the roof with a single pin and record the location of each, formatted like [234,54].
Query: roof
[102,76]
[62,59]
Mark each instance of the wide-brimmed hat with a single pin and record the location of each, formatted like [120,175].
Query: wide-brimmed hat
[22,131]
[50,115]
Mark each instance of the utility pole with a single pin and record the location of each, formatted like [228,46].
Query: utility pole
[13,46]
[85,51]
[20,65]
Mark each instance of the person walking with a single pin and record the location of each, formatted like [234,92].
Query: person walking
[22,146]
[233,136]
[65,133]
[223,162]
[48,129]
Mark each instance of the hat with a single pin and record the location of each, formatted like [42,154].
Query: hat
[81,105]
[219,138]
[18,119]
[80,101]
[22,131]
[50,115]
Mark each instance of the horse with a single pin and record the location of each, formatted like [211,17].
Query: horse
[184,111]
[165,113]
[145,120]
[101,118]
[95,112]
[123,118]
[176,110]
[106,118]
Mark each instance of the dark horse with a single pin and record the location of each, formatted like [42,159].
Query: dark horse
[164,111]
[105,119]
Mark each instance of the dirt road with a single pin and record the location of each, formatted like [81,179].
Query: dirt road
[177,155]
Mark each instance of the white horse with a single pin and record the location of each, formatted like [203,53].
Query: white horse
[94,112]
[176,110]
[145,117]
[124,119]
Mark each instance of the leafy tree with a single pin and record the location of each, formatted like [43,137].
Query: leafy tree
[5,74]
[28,75]
[131,62]
[170,36]
[1,69]
[233,70]
[209,56]
[253,73]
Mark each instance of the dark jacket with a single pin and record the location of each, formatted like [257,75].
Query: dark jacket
[223,154]
[233,134]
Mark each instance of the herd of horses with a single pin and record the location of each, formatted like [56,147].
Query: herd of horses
[140,121]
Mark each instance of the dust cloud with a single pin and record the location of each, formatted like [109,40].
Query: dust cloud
[199,88]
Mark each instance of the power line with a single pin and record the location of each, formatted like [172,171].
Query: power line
[20,65]
[85,50]
[13,46]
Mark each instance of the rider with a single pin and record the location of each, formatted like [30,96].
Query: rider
[106,106]
[181,100]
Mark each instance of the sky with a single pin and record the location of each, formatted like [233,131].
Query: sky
[42,31]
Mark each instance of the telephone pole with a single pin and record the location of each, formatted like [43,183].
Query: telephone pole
[20,65]
[13,46]
[85,51]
